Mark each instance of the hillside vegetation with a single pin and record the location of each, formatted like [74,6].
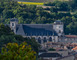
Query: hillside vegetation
[31,14]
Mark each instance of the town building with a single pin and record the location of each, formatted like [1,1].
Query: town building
[49,56]
[71,38]
[68,39]
[41,32]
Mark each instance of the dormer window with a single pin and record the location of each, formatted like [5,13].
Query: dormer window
[12,24]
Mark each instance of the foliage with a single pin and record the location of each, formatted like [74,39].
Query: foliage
[13,51]
[5,30]
[49,4]
[72,27]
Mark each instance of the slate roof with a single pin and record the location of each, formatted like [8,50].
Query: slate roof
[14,19]
[35,30]
[58,22]
[50,55]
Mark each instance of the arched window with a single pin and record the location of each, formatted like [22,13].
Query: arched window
[44,40]
[28,37]
[39,40]
[50,38]
[12,24]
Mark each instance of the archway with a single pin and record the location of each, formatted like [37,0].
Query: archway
[28,37]
[39,40]
[50,39]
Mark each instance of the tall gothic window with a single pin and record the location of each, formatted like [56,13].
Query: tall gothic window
[45,40]
[50,38]
[39,40]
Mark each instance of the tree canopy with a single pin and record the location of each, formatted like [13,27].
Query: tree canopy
[13,51]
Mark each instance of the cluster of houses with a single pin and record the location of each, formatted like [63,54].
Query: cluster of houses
[65,51]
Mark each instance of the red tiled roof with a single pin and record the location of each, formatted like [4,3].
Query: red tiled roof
[71,36]
[75,48]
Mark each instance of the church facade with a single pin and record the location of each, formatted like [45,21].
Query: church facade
[41,32]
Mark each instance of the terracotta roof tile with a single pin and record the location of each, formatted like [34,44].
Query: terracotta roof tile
[71,36]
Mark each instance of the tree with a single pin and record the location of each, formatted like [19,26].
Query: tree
[35,46]
[73,4]
[72,27]
[13,51]
[54,10]
[49,4]
[62,6]
[8,14]
[5,30]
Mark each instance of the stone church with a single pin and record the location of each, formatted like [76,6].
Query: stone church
[41,32]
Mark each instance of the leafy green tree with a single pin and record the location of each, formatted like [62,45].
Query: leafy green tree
[35,46]
[8,14]
[49,4]
[5,30]
[72,27]
[54,10]
[62,6]
[13,51]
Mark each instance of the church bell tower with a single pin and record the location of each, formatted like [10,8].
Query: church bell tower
[13,24]
[58,27]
